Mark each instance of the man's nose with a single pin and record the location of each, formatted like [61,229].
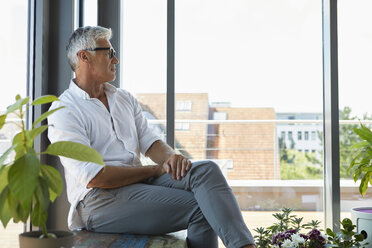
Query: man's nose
[115,60]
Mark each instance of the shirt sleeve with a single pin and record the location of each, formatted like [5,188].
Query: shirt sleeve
[65,125]
[146,135]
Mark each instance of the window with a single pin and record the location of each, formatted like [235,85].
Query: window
[182,126]
[143,56]
[313,135]
[289,135]
[306,135]
[225,54]
[283,135]
[299,135]
[13,68]
[219,116]
[90,12]
[355,53]
[183,105]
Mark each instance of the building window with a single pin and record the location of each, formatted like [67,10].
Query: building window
[306,151]
[290,135]
[219,116]
[183,106]
[182,126]
[299,135]
[306,135]
[283,135]
[313,135]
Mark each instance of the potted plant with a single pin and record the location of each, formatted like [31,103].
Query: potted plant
[288,232]
[26,186]
[361,167]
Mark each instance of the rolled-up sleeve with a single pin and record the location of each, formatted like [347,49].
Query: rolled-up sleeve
[65,125]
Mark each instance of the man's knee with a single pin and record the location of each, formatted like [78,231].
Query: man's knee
[205,167]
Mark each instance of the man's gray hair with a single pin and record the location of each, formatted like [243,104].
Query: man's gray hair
[85,38]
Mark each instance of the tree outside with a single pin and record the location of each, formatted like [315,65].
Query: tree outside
[299,165]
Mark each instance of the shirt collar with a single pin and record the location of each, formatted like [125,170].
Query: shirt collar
[108,88]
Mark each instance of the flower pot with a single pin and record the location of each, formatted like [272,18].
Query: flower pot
[65,239]
[362,218]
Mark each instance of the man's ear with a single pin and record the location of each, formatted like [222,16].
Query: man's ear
[83,56]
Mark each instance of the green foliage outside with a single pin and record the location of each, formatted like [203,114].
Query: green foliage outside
[27,187]
[297,165]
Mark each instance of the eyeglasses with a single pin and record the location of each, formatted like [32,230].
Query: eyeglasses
[111,54]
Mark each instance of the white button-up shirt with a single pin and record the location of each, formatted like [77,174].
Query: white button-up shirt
[119,135]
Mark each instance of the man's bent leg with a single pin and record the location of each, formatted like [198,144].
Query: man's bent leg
[147,209]
[216,200]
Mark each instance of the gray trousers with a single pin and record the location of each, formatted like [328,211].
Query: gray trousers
[202,202]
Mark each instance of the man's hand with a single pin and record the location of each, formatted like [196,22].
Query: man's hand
[177,165]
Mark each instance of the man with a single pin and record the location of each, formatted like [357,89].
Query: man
[127,197]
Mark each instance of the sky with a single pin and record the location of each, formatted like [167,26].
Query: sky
[251,53]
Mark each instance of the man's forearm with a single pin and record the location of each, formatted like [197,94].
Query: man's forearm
[118,176]
[159,152]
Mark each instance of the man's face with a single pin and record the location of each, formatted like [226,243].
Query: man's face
[102,66]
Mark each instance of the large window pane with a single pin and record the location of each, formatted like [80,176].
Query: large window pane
[90,12]
[249,78]
[355,85]
[13,65]
[143,57]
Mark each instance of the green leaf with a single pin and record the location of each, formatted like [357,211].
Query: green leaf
[364,133]
[359,237]
[364,184]
[45,99]
[4,177]
[2,120]
[5,214]
[17,211]
[5,155]
[45,115]
[33,133]
[361,144]
[54,181]
[42,194]
[17,105]
[23,177]
[75,151]
[357,174]
[38,215]
[19,148]
[330,233]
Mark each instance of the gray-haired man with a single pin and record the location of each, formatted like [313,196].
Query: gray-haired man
[127,197]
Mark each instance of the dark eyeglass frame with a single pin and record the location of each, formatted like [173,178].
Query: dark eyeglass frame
[111,54]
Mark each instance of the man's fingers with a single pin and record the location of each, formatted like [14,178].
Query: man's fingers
[179,168]
[173,166]
[188,167]
[184,165]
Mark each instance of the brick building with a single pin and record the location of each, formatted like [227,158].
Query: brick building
[243,150]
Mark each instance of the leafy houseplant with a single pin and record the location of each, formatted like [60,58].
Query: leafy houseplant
[287,232]
[361,165]
[346,237]
[26,186]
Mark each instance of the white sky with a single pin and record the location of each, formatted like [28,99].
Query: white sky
[252,53]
